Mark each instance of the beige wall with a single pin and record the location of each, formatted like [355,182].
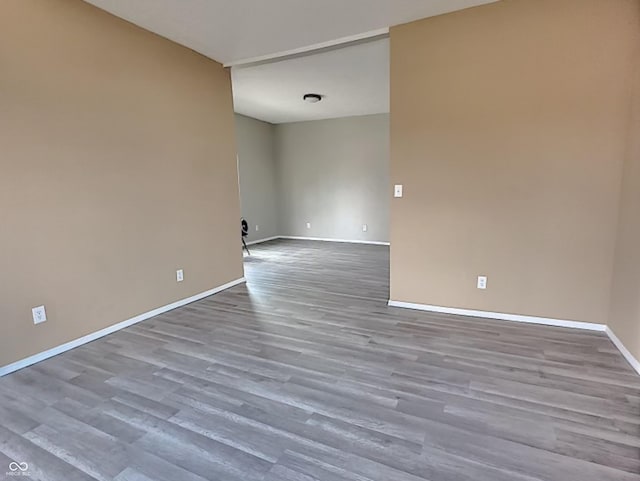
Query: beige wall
[624,317]
[508,131]
[118,167]
[258,176]
[334,174]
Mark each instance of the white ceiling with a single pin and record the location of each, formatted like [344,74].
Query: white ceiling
[353,80]
[233,31]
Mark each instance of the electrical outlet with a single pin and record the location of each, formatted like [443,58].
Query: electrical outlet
[257,227]
[308,225]
[482,282]
[179,275]
[397,190]
[39,314]
[365,227]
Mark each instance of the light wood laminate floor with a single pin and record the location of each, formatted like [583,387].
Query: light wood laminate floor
[305,374]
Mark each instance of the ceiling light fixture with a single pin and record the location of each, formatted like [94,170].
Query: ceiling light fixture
[312,98]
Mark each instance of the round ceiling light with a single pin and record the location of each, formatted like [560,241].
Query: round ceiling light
[312,98]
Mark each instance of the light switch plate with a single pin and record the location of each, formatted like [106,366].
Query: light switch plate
[397,190]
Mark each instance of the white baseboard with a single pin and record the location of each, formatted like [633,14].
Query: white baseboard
[4,370]
[325,239]
[625,352]
[260,241]
[501,316]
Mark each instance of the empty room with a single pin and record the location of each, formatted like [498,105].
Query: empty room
[374,240]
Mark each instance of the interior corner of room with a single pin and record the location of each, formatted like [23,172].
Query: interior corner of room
[510,173]
[438,276]
[503,176]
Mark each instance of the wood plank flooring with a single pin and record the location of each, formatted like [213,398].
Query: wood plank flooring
[305,374]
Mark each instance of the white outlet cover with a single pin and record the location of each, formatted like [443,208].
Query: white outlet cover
[308,225]
[397,190]
[39,314]
[482,282]
[179,275]
[257,227]
[365,227]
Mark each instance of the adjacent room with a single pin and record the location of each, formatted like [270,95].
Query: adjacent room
[313,144]
[375,240]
